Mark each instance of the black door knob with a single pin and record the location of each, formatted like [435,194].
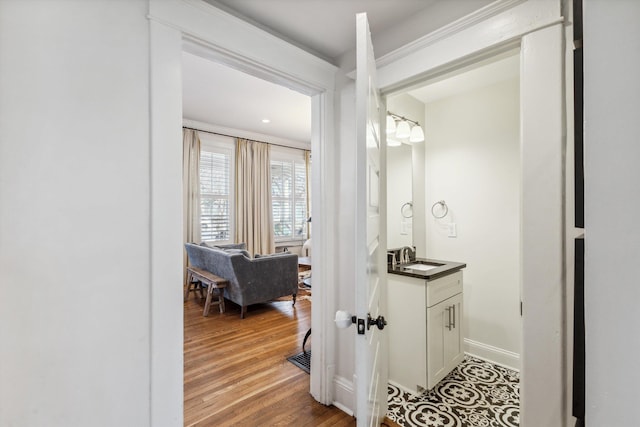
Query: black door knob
[379,322]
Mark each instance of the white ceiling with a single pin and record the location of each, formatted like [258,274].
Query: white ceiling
[325,27]
[486,74]
[220,96]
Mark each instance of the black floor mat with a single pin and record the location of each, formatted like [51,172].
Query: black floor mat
[302,360]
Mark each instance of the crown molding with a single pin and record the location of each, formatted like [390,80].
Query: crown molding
[244,44]
[448,30]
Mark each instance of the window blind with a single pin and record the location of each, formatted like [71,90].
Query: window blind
[289,199]
[215,180]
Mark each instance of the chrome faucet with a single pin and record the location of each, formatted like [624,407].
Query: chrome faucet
[393,259]
[405,255]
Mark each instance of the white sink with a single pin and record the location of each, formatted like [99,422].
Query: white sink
[421,267]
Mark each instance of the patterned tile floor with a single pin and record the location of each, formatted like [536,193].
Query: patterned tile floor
[476,393]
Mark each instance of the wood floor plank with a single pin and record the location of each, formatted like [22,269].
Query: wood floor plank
[236,372]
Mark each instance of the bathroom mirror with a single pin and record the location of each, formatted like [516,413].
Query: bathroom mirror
[399,196]
[405,179]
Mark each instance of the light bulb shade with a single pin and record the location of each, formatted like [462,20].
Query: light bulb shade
[417,135]
[403,130]
[391,125]
[393,142]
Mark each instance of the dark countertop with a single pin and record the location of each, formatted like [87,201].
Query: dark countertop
[445,268]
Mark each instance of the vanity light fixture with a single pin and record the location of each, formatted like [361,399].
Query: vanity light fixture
[403,130]
[406,130]
[417,135]
[391,142]
[391,125]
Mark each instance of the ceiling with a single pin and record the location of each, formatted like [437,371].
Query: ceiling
[218,95]
[491,72]
[215,94]
[324,27]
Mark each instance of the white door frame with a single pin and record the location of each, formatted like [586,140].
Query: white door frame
[536,26]
[177,25]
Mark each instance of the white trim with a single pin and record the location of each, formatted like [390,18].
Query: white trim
[192,24]
[465,44]
[239,133]
[537,26]
[243,46]
[499,356]
[543,140]
[403,388]
[323,177]
[166,251]
[344,394]
[448,30]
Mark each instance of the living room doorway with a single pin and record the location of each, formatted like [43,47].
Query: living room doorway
[222,104]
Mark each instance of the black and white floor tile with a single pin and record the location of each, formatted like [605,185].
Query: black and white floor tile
[476,393]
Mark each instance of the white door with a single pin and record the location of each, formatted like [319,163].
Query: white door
[371,349]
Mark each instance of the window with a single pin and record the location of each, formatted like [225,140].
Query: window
[289,195]
[216,200]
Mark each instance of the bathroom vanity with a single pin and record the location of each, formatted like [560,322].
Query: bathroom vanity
[425,322]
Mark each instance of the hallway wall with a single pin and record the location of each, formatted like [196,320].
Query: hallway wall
[612,209]
[74,214]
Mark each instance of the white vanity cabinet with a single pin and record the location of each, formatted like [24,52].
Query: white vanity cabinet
[425,329]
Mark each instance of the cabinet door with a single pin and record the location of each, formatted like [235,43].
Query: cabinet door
[437,326]
[444,338]
[453,337]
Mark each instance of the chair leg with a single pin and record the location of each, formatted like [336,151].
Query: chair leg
[304,341]
[243,311]
[294,299]
[221,299]
[201,288]
[207,304]
[188,286]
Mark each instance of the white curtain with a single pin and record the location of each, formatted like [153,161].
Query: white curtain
[254,222]
[190,190]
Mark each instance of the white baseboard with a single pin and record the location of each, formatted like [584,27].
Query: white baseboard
[344,394]
[403,388]
[492,354]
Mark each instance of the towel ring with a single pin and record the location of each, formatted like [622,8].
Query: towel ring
[403,211]
[445,209]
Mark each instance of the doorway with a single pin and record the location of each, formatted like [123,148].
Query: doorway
[543,145]
[174,28]
[283,102]
[543,142]
[223,104]
[467,192]
[470,160]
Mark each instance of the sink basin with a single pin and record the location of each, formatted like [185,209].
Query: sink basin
[420,267]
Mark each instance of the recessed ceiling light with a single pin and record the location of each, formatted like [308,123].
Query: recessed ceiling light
[266,121]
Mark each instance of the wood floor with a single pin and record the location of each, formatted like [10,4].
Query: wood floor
[236,372]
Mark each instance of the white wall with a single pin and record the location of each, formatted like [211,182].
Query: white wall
[74,213]
[612,210]
[473,163]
